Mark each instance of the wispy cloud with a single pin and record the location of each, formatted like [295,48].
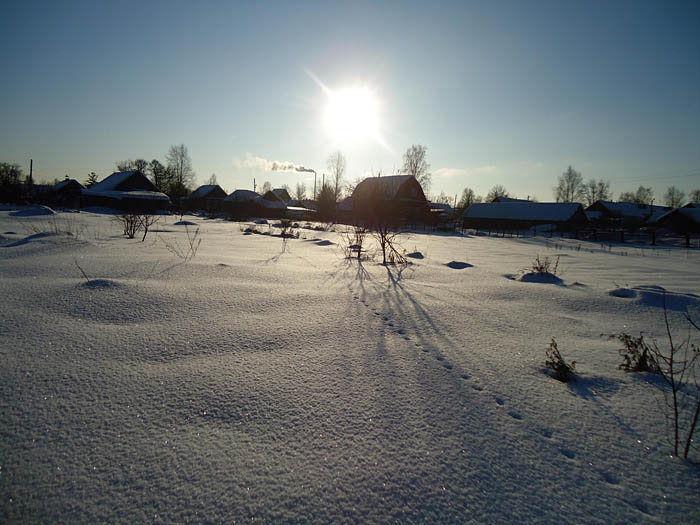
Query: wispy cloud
[254,162]
[459,172]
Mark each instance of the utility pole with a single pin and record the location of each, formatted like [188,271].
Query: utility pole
[253,183]
[31,171]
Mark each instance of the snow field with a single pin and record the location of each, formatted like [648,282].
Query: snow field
[252,383]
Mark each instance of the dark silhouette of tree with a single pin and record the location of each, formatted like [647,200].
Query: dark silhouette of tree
[158,174]
[641,196]
[496,191]
[180,167]
[570,187]
[596,190]
[326,202]
[91,180]
[141,165]
[468,198]
[300,193]
[674,197]
[125,165]
[415,163]
[10,176]
[266,187]
[212,180]
[694,196]
[336,165]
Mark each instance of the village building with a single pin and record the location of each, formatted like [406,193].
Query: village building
[208,198]
[524,215]
[127,191]
[624,214]
[67,193]
[393,197]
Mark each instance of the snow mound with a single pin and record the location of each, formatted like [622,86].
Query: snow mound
[185,223]
[35,237]
[415,255]
[101,283]
[458,265]
[540,277]
[33,212]
[324,243]
[625,293]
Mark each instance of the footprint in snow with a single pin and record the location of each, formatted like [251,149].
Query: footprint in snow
[610,478]
[515,415]
[478,388]
[499,401]
[448,366]
[568,453]
[465,376]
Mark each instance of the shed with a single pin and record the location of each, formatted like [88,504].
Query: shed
[627,213]
[67,193]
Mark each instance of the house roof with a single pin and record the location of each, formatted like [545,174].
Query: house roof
[690,213]
[242,196]
[387,186]
[632,209]
[114,180]
[509,199]
[282,194]
[203,191]
[440,206]
[65,183]
[692,205]
[525,211]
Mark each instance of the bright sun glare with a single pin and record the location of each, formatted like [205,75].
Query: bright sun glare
[352,115]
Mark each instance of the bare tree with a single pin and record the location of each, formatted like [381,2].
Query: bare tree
[336,165]
[674,197]
[596,190]
[125,165]
[641,196]
[141,165]
[415,163]
[694,196]
[468,198]
[351,185]
[495,192]
[212,180]
[300,193]
[570,186]
[179,162]
[443,198]
[267,186]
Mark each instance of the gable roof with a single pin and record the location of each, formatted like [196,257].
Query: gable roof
[692,214]
[524,211]
[692,205]
[282,194]
[242,196]
[66,182]
[203,191]
[630,209]
[113,182]
[386,186]
[509,199]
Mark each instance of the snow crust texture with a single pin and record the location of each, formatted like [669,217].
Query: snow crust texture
[275,381]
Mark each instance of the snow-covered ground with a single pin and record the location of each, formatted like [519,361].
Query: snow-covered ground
[259,383]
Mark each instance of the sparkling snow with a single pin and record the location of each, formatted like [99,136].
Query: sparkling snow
[275,380]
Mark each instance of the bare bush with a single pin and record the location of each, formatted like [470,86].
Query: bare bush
[678,367]
[563,371]
[353,239]
[130,223]
[146,222]
[388,239]
[190,250]
[545,265]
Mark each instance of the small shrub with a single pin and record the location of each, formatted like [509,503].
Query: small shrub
[354,242]
[130,223]
[545,265]
[637,356]
[187,253]
[563,371]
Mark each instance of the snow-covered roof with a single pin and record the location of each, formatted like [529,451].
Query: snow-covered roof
[242,196]
[632,209]
[691,213]
[388,185]
[526,211]
[119,195]
[509,199]
[114,180]
[692,205]
[440,206]
[203,191]
[281,194]
[65,183]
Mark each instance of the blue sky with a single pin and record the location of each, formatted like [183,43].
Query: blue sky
[504,93]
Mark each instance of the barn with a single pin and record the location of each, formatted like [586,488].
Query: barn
[209,198]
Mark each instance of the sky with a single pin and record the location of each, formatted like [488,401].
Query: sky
[507,93]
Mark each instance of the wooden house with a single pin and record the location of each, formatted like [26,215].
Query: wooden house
[127,191]
[208,198]
[394,198]
[523,215]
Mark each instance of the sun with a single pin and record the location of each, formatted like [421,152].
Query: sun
[352,115]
